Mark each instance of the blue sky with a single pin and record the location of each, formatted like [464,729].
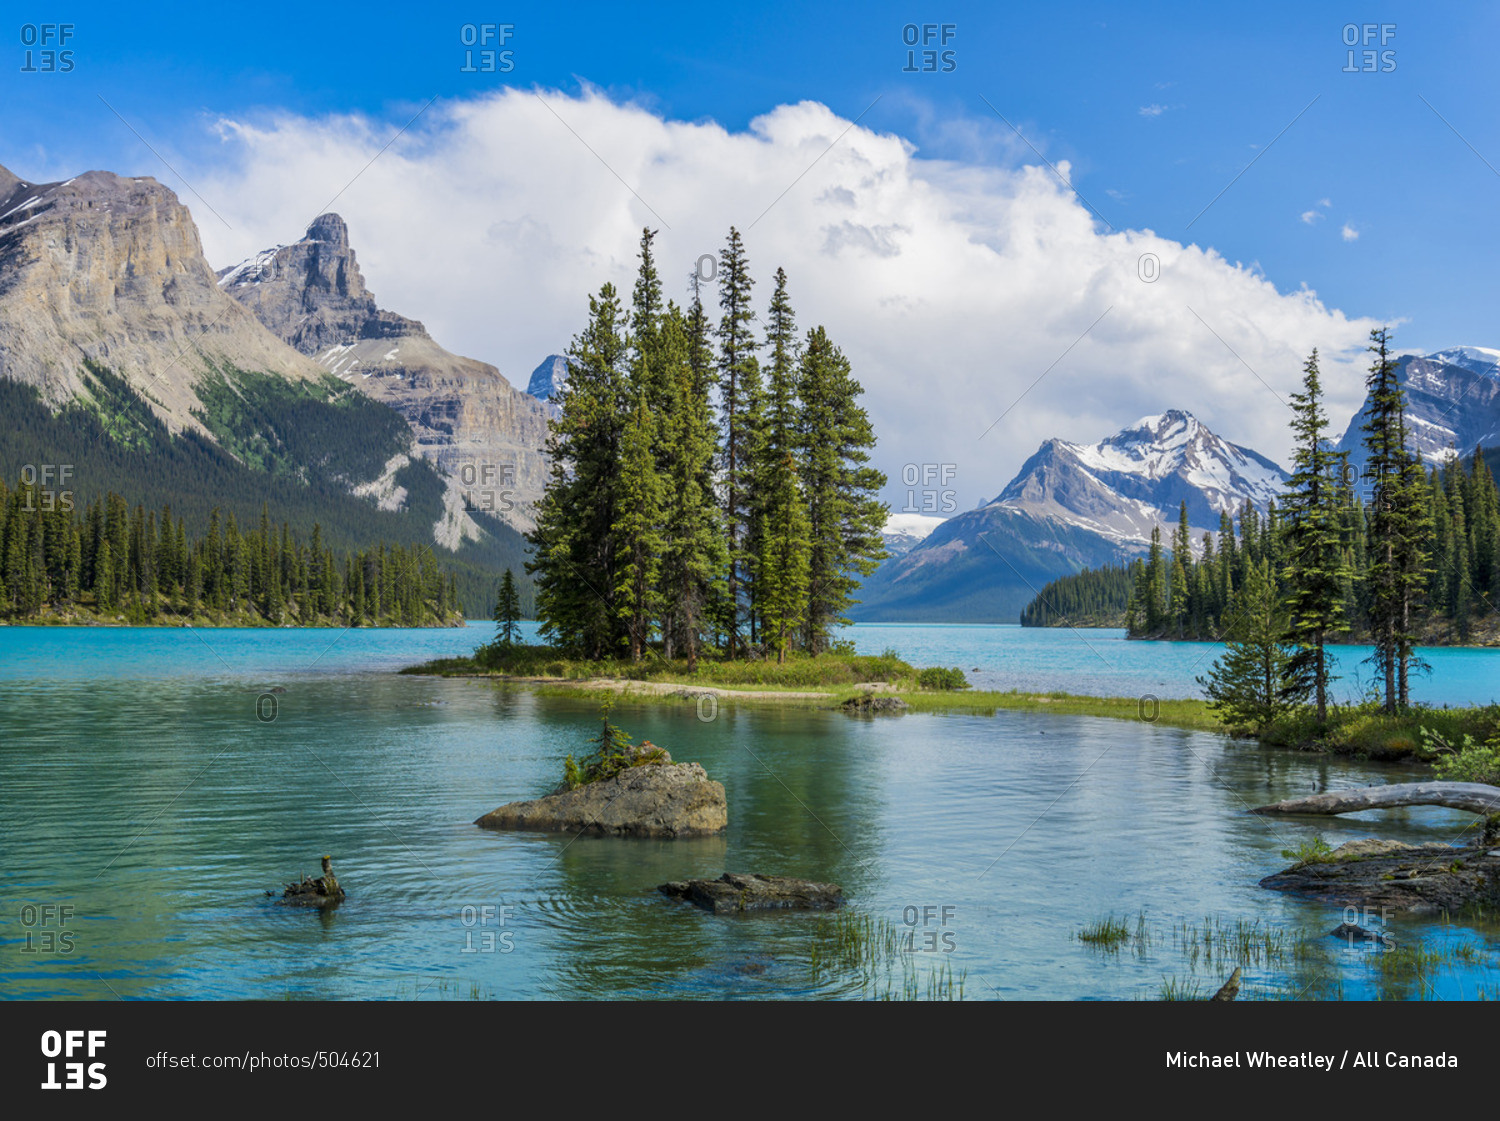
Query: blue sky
[1074,78]
[1236,129]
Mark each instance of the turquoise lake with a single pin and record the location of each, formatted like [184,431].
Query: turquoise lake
[149,807]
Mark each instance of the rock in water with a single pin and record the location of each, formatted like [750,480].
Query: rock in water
[656,800]
[734,892]
[321,892]
[868,704]
[1422,879]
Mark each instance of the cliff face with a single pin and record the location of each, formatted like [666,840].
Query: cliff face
[466,416]
[111,269]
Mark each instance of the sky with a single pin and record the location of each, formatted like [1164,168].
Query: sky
[1080,216]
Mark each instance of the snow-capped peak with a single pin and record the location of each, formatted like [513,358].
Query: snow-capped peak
[252,270]
[1136,479]
[1478,359]
[912,525]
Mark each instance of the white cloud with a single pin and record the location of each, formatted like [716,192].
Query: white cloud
[1349,233]
[1151,110]
[1310,216]
[951,286]
[1325,203]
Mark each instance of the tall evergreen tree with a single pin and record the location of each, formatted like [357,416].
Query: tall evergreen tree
[740,408]
[845,514]
[694,554]
[637,529]
[574,539]
[1314,570]
[507,610]
[1398,524]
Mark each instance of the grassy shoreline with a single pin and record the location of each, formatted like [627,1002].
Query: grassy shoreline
[829,680]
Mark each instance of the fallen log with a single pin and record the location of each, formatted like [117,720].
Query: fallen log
[1476,797]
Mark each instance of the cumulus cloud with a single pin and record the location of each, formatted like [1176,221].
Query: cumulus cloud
[1310,216]
[1349,233]
[1151,110]
[952,287]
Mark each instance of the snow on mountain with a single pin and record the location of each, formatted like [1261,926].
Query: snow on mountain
[904,532]
[1452,404]
[1477,359]
[1130,482]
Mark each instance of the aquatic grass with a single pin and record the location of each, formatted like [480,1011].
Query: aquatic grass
[869,954]
[1174,989]
[1108,933]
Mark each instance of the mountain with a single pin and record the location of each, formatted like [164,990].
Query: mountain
[123,357]
[467,418]
[904,532]
[1070,507]
[110,270]
[548,380]
[1452,402]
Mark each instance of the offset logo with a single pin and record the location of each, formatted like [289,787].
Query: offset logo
[76,1074]
[44,44]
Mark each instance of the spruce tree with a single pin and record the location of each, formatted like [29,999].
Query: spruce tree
[694,554]
[637,529]
[1254,681]
[574,550]
[507,610]
[1398,525]
[845,514]
[782,545]
[740,407]
[1314,570]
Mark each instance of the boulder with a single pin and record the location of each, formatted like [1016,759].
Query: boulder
[735,892]
[1422,879]
[654,800]
[866,704]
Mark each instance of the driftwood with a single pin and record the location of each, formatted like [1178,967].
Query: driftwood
[1476,797]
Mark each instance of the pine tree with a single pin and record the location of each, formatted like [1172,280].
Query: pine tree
[574,540]
[1398,525]
[694,554]
[740,405]
[1255,681]
[779,601]
[507,610]
[1314,569]
[637,528]
[845,514]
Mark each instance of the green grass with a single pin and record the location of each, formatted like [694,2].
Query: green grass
[801,671]
[1191,714]
[1365,730]
[1315,851]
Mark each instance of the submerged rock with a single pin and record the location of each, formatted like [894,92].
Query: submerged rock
[1417,879]
[659,799]
[869,704]
[734,892]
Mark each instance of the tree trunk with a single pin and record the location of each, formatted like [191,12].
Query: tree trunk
[1476,797]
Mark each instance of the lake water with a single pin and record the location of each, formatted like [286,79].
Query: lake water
[141,788]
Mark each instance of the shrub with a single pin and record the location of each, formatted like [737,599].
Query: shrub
[1315,851]
[946,680]
[1468,762]
[612,754]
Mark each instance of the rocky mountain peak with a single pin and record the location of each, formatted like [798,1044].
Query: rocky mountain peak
[1452,404]
[312,293]
[110,268]
[1136,479]
[330,228]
